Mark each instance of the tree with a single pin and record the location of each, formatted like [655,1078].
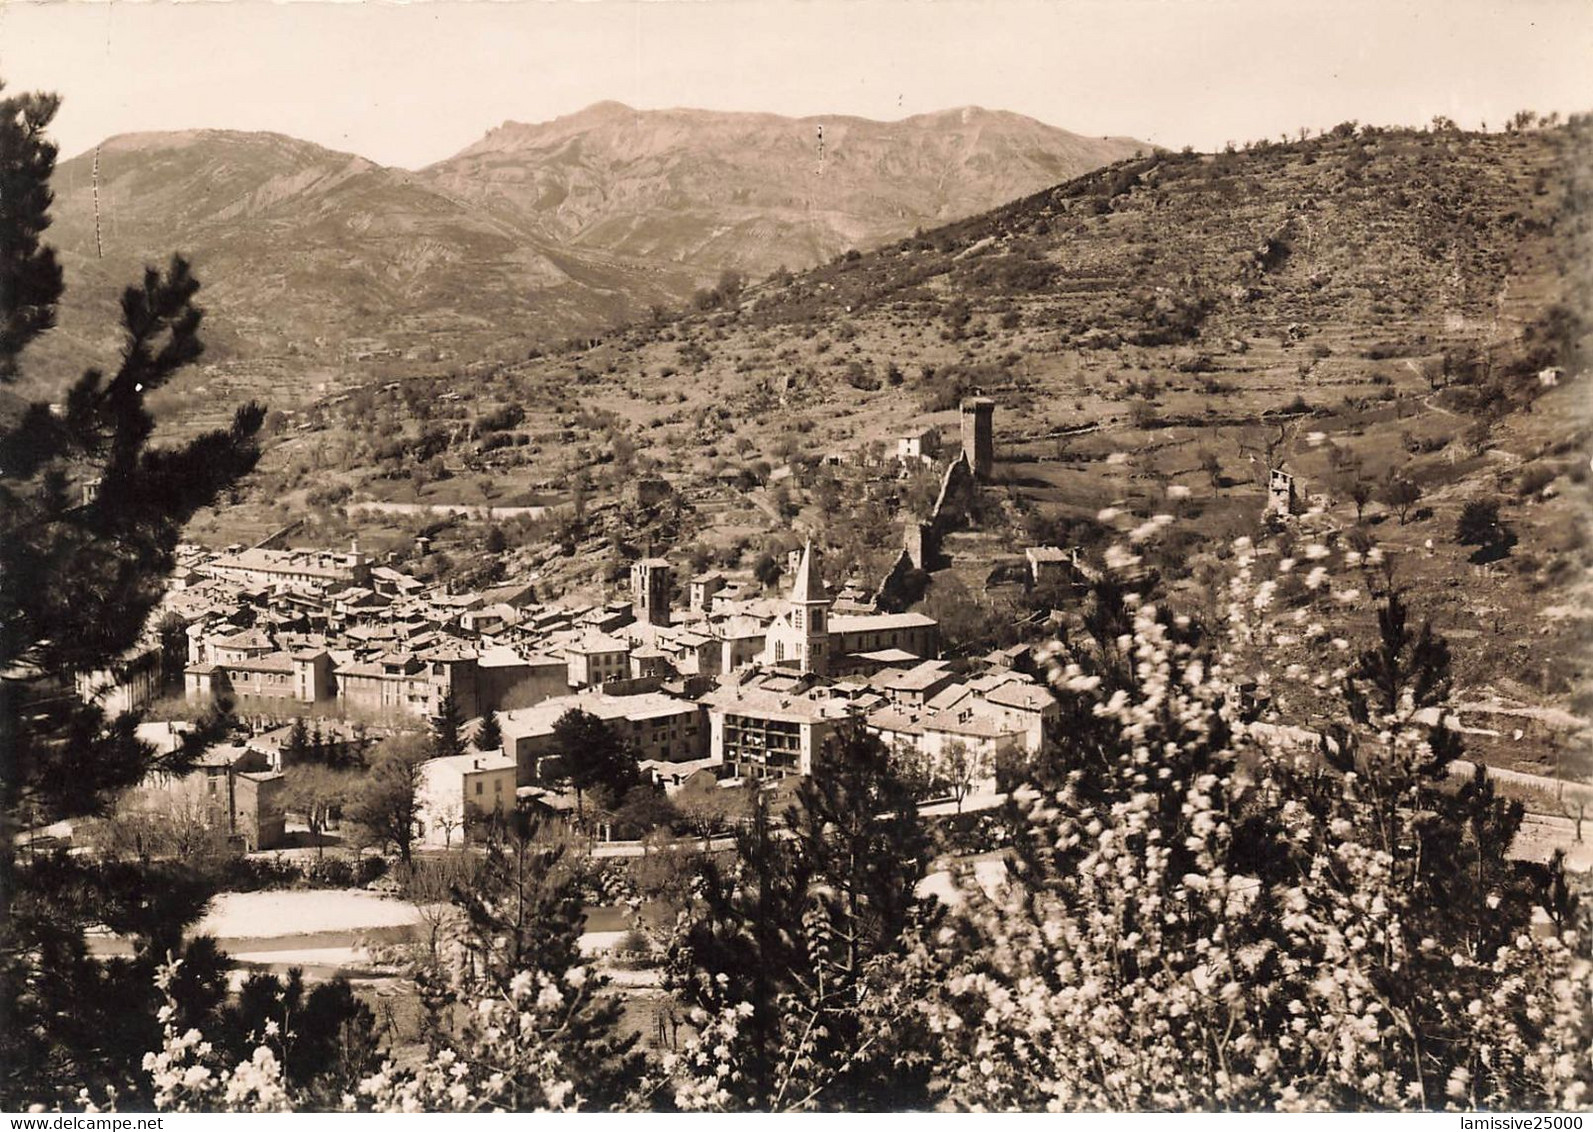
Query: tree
[445,727]
[793,963]
[1478,524]
[317,792]
[323,1036]
[707,808]
[1360,495]
[385,809]
[967,626]
[89,519]
[296,747]
[955,767]
[489,734]
[173,633]
[450,816]
[518,1019]
[1211,465]
[30,278]
[644,808]
[592,754]
[731,284]
[149,826]
[1435,372]
[766,569]
[1400,494]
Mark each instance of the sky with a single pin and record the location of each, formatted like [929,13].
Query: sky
[411,83]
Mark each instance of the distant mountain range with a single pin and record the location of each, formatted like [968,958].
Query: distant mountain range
[322,259]
[706,190]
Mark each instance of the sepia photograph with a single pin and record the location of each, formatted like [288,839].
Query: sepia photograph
[794,556]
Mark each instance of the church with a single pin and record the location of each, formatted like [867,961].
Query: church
[807,638]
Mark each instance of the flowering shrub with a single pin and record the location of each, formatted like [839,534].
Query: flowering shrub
[505,1057]
[1204,915]
[516,1020]
[189,1077]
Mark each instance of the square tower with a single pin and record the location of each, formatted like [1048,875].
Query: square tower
[978,435]
[1281,497]
[650,590]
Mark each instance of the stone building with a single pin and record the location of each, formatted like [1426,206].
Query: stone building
[650,586]
[1282,498]
[978,436]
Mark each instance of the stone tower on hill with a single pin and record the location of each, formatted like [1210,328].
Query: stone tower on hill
[978,436]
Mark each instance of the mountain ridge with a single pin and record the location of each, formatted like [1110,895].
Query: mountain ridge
[756,191]
[318,260]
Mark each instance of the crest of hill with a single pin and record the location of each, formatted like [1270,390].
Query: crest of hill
[1207,292]
[753,191]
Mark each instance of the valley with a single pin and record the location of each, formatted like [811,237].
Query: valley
[1362,308]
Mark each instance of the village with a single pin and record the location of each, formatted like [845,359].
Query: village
[707,679]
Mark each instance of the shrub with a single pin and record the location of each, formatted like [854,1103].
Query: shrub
[1478,524]
[1534,478]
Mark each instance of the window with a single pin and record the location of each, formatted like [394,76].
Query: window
[818,620]
[480,788]
[497,786]
[796,618]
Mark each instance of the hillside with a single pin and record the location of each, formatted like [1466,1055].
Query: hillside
[312,260]
[1362,307]
[756,192]
[322,266]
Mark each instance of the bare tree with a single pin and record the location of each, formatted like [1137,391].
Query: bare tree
[386,810]
[448,817]
[955,767]
[1268,447]
[430,888]
[315,791]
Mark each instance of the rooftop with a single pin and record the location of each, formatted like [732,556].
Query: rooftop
[540,718]
[1029,697]
[761,703]
[879,622]
[470,763]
